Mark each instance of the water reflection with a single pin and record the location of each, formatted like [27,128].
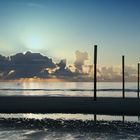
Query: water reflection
[83,117]
[66,89]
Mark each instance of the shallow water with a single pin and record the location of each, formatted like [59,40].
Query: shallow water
[67,126]
[66,89]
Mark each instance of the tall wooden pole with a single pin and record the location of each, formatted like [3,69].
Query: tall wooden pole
[95,71]
[123,78]
[138,78]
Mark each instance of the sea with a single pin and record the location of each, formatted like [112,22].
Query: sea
[68,126]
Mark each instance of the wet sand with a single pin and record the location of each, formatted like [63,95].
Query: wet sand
[86,105]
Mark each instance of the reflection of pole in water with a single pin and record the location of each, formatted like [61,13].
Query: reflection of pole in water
[95,117]
[138,118]
[123,119]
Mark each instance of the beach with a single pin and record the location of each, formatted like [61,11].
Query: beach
[86,105]
[42,96]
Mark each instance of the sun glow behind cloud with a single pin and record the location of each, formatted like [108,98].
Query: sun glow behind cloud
[35,43]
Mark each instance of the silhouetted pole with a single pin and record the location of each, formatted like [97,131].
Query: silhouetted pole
[138,78]
[95,117]
[95,70]
[123,79]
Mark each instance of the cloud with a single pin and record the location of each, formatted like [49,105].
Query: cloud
[62,64]
[36,65]
[63,71]
[4,63]
[111,73]
[81,57]
[25,65]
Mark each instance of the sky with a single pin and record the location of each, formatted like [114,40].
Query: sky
[57,28]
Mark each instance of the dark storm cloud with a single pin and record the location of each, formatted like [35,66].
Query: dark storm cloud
[4,63]
[63,71]
[62,64]
[25,65]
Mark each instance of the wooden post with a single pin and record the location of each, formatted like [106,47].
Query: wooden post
[123,78]
[138,78]
[95,70]
[95,117]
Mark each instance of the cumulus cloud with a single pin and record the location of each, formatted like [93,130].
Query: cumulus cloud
[109,74]
[24,65]
[81,57]
[63,71]
[112,73]
[30,65]
[62,64]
